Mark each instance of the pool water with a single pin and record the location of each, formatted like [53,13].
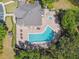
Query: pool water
[46,36]
[49,17]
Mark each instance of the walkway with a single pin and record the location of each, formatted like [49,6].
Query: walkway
[12,16]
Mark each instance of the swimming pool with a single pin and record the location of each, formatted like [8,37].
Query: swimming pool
[46,36]
[1,12]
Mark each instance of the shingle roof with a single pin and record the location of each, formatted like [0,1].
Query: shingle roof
[29,14]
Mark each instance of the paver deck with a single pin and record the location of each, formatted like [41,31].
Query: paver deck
[32,29]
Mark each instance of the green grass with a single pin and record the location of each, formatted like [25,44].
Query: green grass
[11,7]
[64,4]
[11,27]
[4,1]
[1,0]
[1,44]
[14,35]
[9,22]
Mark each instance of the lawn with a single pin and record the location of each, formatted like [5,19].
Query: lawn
[64,4]
[1,0]
[11,27]
[11,7]
[5,1]
[14,35]
[8,52]
[9,22]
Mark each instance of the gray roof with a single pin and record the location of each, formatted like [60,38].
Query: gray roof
[29,14]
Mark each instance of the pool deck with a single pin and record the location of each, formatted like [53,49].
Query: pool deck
[33,29]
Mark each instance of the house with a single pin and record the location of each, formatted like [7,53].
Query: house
[35,25]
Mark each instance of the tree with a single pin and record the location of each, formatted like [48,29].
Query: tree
[75,2]
[31,54]
[77,16]
[2,33]
[69,22]
[47,3]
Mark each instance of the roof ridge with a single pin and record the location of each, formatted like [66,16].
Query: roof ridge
[30,11]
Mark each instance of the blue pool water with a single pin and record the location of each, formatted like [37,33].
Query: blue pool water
[46,36]
[49,17]
[1,12]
